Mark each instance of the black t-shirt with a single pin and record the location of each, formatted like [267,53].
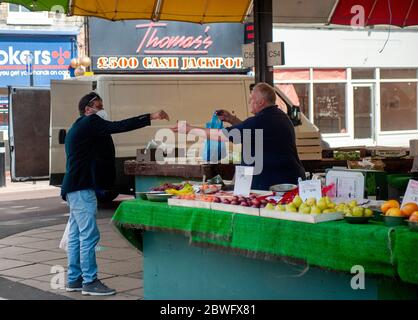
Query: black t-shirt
[280,160]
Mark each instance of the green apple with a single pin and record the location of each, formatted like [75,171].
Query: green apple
[368,212]
[311,202]
[304,208]
[348,212]
[353,203]
[331,205]
[358,211]
[297,201]
[340,207]
[269,206]
[291,208]
[322,204]
[280,207]
[316,210]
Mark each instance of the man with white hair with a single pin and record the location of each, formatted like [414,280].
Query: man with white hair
[280,160]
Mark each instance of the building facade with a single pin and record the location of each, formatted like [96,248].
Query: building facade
[36,47]
[358,86]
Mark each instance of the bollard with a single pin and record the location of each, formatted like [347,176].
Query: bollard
[2,162]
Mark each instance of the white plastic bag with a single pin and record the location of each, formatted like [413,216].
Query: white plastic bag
[64,241]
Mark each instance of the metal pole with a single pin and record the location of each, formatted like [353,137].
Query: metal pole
[263,25]
[2,161]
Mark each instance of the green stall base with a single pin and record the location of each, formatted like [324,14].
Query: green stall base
[175,270]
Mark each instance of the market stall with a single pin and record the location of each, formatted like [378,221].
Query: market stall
[195,253]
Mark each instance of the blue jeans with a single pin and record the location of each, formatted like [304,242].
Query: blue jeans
[83,236]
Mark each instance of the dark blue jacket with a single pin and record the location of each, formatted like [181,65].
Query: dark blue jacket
[281,162]
[81,147]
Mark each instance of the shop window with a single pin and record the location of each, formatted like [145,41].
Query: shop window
[398,106]
[330,107]
[398,73]
[362,73]
[330,74]
[19,15]
[291,74]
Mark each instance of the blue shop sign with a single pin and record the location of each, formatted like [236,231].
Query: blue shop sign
[35,59]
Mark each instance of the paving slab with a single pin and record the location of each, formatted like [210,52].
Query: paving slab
[12,252]
[121,284]
[42,244]
[16,240]
[41,256]
[9,264]
[120,268]
[27,272]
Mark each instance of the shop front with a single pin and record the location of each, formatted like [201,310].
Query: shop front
[32,59]
[358,87]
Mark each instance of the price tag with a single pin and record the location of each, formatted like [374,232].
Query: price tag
[310,189]
[243,180]
[411,194]
[348,184]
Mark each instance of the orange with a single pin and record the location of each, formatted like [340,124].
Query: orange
[409,208]
[394,212]
[389,204]
[414,216]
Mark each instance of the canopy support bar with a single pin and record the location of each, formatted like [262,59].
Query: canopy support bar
[263,25]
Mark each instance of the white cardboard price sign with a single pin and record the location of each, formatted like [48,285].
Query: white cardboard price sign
[310,189]
[411,194]
[243,180]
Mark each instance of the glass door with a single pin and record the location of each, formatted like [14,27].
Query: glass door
[364,119]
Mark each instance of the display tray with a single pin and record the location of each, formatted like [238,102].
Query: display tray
[301,217]
[235,209]
[189,203]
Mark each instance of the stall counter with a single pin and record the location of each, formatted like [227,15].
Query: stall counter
[192,253]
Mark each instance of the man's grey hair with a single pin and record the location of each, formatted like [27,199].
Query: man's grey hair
[267,92]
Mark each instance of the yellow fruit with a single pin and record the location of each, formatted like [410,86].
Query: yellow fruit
[394,212]
[368,212]
[389,204]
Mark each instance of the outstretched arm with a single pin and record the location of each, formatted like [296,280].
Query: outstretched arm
[210,134]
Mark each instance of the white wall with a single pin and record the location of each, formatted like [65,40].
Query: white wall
[348,48]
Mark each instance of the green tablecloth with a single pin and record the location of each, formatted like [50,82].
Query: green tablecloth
[334,245]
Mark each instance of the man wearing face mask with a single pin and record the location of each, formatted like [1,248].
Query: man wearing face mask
[82,143]
[105,166]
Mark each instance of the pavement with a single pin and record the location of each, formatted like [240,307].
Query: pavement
[32,259]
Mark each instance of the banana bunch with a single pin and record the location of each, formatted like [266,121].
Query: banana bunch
[187,189]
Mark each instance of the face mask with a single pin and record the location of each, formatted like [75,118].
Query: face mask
[103,114]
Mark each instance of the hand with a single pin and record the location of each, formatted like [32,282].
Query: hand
[224,115]
[159,115]
[182,127]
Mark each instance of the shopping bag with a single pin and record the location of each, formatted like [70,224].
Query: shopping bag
[213,151]
[64,241]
